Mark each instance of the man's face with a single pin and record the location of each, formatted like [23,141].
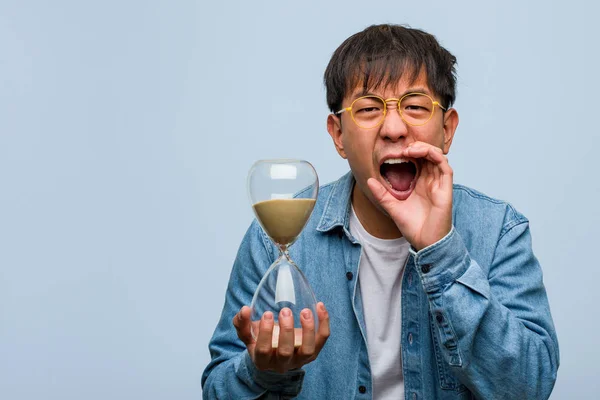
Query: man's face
[374,152]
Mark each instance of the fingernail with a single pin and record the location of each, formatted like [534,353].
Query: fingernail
[323,307]
[268,316]
[306,314]
[286,312]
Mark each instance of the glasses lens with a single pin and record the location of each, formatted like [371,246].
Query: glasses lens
[368,111]
[416,109]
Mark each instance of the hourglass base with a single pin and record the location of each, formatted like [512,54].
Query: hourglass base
[283,286]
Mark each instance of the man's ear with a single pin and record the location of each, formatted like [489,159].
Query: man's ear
[334,127]
[450,125]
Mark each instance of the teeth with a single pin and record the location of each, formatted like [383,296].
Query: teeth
[395,161]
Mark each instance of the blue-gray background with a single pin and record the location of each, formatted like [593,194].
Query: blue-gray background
[127,129]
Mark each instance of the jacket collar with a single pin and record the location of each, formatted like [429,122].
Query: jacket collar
[337,206]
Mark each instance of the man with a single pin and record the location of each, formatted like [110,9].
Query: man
[432,289]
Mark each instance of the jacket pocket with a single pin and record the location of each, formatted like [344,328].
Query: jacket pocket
[447,381]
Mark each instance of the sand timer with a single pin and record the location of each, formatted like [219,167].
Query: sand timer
[283,194]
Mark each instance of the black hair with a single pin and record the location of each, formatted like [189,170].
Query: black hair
[379,55]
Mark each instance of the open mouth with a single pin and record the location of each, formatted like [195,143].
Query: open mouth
[400,175]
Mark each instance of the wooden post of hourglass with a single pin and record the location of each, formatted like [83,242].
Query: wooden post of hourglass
[273,187]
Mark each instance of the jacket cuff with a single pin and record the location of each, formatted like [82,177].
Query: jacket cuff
[442,263]
[288,383]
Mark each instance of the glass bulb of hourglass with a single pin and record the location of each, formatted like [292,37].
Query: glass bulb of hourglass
[283,194]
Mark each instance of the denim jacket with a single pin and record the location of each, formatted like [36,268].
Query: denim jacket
[475,316]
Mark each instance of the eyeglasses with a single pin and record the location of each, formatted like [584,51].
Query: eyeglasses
[415,109]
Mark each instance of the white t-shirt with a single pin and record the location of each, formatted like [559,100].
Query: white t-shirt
[380,271]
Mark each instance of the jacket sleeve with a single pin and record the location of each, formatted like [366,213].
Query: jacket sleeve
[495,330]
[231,374]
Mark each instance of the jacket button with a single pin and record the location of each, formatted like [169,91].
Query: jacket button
[362,389]
[425,268]
[349,275]
[439,318]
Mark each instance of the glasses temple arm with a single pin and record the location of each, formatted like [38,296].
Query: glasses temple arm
[437,103]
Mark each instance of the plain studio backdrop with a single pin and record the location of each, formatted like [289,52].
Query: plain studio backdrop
[127,129]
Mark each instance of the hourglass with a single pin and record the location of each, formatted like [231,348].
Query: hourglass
[283,194]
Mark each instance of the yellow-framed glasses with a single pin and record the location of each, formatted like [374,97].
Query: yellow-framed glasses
[415,109]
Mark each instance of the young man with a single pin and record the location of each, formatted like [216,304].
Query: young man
[432,289]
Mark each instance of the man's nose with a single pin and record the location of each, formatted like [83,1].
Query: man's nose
[393,127]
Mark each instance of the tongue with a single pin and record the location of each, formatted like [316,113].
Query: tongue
[399,175]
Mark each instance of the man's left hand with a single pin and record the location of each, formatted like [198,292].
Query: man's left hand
[425,216]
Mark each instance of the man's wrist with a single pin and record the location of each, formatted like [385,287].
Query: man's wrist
[422,246]
[442,262]
[289,382]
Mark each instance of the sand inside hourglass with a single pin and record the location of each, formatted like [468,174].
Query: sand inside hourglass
[283,219]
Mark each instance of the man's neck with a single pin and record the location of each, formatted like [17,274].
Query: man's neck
[372,218]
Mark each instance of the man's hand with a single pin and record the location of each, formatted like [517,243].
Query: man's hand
[426,216]
[285,356]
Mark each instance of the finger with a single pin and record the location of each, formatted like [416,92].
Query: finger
[285,349]
[242,323]
[382,196]
[323,332]
[442,174]
[419,144]
[428,152]
[424,150]
[437,174]
[427,173]
[264,348]
[308,333]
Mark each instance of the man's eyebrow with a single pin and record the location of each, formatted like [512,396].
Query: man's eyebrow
[362,93]
[366,92]
[416,90]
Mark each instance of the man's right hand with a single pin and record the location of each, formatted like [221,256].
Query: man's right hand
[285,356]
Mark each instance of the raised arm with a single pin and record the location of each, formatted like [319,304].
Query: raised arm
[495,330]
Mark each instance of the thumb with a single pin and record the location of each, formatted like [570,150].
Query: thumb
[382,196]
[242,324]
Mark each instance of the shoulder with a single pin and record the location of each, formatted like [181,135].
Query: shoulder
[475,207]
[482,222]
